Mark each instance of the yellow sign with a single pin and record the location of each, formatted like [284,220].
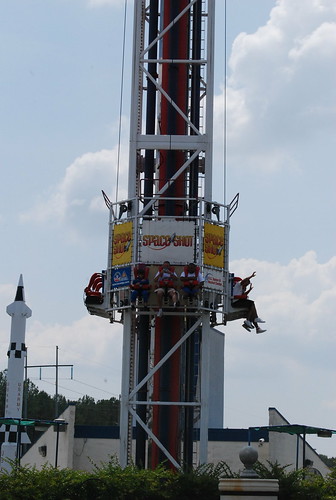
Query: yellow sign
[213,245]
[122,243]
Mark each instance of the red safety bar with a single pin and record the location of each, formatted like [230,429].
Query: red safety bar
[95,285]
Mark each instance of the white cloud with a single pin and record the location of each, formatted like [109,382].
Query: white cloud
[76,203]
[91,345]
[319,42]
[291,366]
[296,301]
[278,92]
[83,179]
[6,292]
[298,290]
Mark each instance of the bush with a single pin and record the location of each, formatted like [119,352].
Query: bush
[28,483]
[297,485]
[109,480]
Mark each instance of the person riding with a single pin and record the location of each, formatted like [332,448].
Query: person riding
[192,280]
[240,300]
[165,279]
[140,287]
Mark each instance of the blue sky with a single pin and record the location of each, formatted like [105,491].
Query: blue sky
[59,103]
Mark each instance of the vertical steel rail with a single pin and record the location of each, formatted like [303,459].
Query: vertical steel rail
[143,326]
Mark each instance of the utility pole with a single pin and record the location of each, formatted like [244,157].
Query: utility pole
[56,366]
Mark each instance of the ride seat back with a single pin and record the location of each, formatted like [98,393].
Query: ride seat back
[234,313]
[143,268]
[93,291]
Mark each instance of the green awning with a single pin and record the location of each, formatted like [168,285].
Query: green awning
[30,422]
[296,429]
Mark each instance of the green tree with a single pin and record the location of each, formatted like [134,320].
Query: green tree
[40,405]
[108,411]
[102,412]
[85,410]
[329,461]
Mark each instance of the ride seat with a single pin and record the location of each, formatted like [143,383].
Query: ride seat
[93,291]
[143,268]
[234,313]
[136,270]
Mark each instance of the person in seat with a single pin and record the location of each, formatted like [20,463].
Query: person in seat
[140,287]
[165,279]
[240,300]
[192,281]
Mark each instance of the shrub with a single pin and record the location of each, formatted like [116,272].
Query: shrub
[109,480]
[296,485]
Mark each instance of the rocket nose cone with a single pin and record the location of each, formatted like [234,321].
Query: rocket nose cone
[19,291]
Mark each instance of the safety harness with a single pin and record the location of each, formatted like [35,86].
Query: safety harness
[193,281]
[145,271]
[166,282]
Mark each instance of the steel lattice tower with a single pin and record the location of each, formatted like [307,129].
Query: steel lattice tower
[169,215]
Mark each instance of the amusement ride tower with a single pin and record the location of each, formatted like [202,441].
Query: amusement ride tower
[169,216]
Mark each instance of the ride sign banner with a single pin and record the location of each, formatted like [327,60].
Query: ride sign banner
[121,277]
[213,245]
[167,240]
[213,279]
[122,243]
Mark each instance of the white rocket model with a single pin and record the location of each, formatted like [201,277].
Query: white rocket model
[17,352]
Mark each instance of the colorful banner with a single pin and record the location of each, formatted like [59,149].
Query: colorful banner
[122,244]
[213,245]
[121,277]
[167,240]
[214,279]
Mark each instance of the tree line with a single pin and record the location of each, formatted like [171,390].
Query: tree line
[40,405]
